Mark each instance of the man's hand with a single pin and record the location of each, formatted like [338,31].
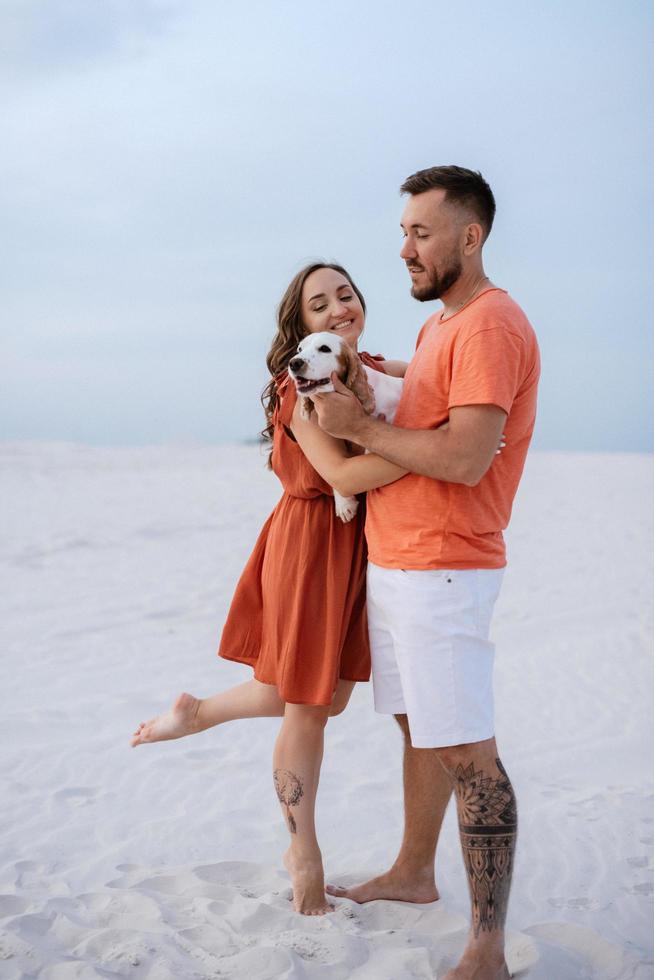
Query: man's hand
[339,412]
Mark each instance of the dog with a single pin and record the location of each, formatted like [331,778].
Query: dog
[320,354]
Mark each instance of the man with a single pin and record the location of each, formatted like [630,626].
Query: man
[437,553]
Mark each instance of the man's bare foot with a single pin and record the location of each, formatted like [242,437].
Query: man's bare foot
[480,964]
[180,720]
[394,886]
[308,883]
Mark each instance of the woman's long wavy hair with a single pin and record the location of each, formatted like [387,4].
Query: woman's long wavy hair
[290,331]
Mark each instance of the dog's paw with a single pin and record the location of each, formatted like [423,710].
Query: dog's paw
[346,507]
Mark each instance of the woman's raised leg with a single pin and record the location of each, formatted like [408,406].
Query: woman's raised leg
[189,715]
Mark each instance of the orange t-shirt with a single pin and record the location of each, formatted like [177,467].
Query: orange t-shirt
[486,354]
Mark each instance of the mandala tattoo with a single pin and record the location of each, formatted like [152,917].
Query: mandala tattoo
[488,825]
[289,793]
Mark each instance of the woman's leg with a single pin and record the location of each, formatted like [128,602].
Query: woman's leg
[189,715]
[252,699]
[341,697]
[296,770]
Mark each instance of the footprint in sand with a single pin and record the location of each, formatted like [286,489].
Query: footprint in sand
[645,888]
[639,862]
[580,904]
[76,795]
[166,884]
[29,873]
[329,950]
[33,866]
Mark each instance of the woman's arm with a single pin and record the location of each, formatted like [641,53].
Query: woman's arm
[396,368]
[348,475]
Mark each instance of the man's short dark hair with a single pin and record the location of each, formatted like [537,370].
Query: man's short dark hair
[465,187]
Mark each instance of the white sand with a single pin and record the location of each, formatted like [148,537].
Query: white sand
[164,861]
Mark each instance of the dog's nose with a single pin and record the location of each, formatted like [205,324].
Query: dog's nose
[296,364]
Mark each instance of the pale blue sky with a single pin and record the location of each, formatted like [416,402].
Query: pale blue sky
[168,166]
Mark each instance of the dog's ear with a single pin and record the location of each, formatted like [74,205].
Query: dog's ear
[306,408]
[355,378]
[348,364]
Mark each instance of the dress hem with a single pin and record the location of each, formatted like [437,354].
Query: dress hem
[317,704]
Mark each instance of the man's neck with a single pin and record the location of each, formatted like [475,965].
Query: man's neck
[468,286]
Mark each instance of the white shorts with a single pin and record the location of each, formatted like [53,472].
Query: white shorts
[432,659]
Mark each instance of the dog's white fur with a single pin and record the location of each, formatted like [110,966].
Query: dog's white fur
[320,354]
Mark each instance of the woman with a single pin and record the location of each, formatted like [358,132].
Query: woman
[298,613]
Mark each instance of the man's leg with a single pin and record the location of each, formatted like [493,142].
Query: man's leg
[488,825]
[427,790]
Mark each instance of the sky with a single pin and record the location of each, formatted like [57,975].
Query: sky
[167,166]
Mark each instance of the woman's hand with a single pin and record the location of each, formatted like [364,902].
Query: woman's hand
[397,369]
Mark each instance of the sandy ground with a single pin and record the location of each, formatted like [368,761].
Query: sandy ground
[116,571]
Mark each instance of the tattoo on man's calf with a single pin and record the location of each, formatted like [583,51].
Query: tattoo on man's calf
[488,825]
[289,792]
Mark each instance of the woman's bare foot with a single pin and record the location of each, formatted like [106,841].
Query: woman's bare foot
[182,719]
[394,886]
[308,881]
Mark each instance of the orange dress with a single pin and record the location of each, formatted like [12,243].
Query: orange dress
[298,615]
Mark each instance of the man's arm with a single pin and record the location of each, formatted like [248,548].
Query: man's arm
[347,474]
[461,452]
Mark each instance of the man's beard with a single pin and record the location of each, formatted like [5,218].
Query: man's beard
[438,284]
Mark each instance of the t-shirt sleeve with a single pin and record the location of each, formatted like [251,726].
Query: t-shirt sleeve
[487,369]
